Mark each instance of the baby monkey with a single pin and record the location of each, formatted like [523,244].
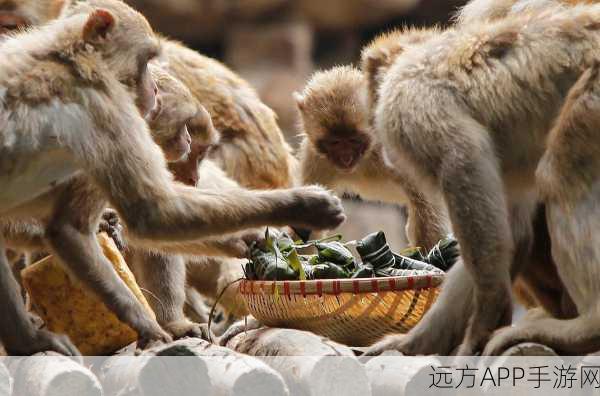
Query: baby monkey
[337,151]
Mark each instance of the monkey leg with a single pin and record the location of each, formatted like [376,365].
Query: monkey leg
[195,305]
[17,333]
[71,234]
[474,192]
[572,229]
[443,327]
[162,278]
[568,178]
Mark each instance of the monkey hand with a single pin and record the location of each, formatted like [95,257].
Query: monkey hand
[186,328]
[111,225]
[151,335]
[43,341]
[390,343]
[316,208]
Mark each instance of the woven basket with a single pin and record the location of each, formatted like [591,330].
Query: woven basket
[355,312]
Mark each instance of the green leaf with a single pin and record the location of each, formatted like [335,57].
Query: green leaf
[295,263]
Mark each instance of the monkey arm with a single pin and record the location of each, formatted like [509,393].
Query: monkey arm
[23,235]
[71,234]
[229,245]
[427,218]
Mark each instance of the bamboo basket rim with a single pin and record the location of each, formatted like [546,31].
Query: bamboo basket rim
[338,286]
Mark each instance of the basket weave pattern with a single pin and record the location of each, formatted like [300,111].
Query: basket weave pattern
[355,312]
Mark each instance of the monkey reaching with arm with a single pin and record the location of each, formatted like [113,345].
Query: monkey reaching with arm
[73,75]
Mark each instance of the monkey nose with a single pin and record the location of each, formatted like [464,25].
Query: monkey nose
[347,159]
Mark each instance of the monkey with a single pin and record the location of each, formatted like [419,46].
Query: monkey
[252,149]
[478,97]
[337,151]
[78,82]
[477,10]
[20,14]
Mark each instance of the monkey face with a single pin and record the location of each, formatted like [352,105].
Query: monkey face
[344,153]
[205,137]
[186,171]
[147,92]
[179,146]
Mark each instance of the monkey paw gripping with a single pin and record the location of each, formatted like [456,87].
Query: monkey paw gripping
[186,328]
[43,341]
[390,343]
[152,336]
[316,208]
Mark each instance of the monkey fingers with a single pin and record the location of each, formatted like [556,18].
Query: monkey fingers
[186,328]
[111,225]
[153,339]
[44,341]
[390,343]
[485,320]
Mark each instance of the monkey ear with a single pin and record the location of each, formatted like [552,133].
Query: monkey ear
[299,99]
[98,26]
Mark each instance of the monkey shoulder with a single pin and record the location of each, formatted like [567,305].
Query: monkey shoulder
[46,81]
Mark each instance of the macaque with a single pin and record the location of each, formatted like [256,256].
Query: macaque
[73,96]
[252,149]
[479,10]
[498,118]
[338,152]
[20,14]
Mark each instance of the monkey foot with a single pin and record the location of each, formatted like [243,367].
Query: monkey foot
[390,343]
[186,328]
[504,339]
[153,338]
[44,341]
[239,327]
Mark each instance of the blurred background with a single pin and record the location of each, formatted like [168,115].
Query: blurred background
[277,44]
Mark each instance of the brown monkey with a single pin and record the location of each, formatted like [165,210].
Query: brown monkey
[337,151]
[252,149]
[79,81]
[536,281]
[478,10]
[469,120]
[205,138]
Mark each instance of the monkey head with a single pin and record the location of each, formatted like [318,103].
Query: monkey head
[170,120]
[204,138]
[19,14]
[334,116]
[112,26]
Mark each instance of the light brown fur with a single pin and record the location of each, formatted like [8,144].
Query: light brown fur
[84,85]
[335,101]
[252,149]
[479,138]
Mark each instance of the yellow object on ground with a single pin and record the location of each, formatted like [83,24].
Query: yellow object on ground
[68,308]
